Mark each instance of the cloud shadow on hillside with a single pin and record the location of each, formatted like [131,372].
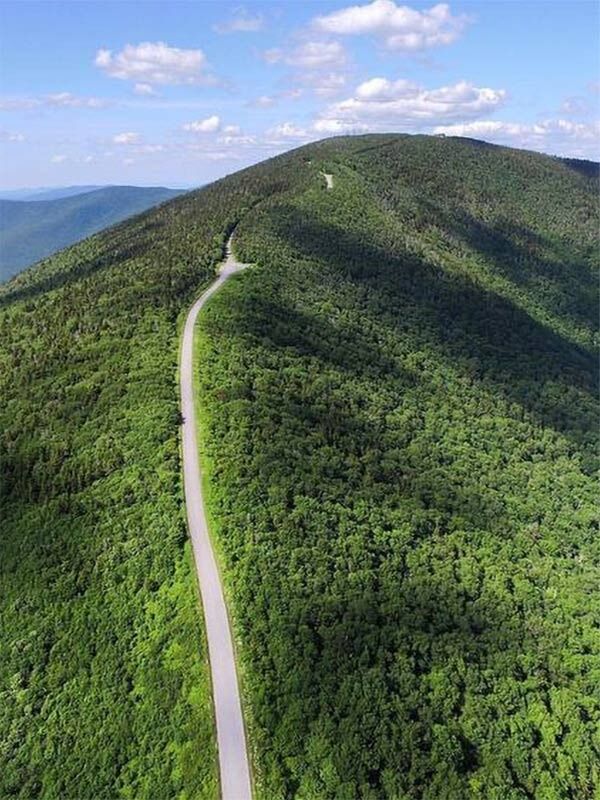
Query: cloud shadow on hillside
[523,359]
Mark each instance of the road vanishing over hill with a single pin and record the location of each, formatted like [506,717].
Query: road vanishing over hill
[328,179]
[233,756]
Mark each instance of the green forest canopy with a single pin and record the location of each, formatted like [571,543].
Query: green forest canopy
[399,419]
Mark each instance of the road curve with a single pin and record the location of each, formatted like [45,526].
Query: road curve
[328,179]
[233,756]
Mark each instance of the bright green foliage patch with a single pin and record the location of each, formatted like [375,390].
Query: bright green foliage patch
[401,416]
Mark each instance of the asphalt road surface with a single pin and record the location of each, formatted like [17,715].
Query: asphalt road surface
[231,739]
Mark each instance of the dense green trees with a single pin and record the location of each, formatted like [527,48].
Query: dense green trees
[400,415]
[103,673]
[399,421]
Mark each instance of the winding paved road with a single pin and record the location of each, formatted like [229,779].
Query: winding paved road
[233,757]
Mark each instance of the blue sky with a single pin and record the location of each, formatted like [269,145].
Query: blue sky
[180,93]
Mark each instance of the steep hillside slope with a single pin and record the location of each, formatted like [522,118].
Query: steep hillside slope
[102,665]
[399,421]
[400,408]
[34,229]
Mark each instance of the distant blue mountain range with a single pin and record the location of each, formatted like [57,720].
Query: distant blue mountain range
[46,220]
[47,192]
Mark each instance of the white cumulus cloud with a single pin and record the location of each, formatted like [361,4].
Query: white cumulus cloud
[384,89]
[154,63]
[286,130]
[208,125]
[400,27]
[555,136]
[381,103]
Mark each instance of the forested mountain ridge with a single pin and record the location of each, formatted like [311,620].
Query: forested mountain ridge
[399,419]
[404,394]
[35,228]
